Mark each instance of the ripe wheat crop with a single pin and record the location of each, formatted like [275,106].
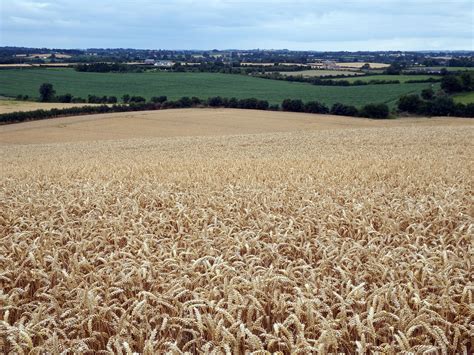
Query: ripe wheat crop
[356,240]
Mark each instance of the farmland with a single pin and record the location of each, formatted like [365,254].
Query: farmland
[7,106]
[402,78]
[233,231]
[359,65]
[175,85]
[322,73]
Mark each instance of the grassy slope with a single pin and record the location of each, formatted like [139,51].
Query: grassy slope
[175,85]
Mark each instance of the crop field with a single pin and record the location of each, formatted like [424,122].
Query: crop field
[175,85]
[360,65]
[465,97]
[349,238]
[402,78]
[322,73]
[7,106]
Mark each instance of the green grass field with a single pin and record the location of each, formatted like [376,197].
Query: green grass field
[401,78]
[14,82]
[321,73]
[465,97]
[455,68]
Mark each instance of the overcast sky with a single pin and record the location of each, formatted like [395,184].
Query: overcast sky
[243,24]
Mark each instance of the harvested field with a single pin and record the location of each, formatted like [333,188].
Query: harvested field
[336,240]
[7,106]
[358,65]
[190,122]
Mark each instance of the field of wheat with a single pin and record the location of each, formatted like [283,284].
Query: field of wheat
[348,240]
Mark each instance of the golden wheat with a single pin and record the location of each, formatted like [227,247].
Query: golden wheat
[356,240]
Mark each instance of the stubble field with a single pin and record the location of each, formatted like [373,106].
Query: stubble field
[343,239]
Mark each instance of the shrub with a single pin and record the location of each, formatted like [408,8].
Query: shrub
[158,99]
[292,105]
[315,107]
[137,99]
[409,103]
[66,98]
[427,94]
[344,110]
[214,101]
[375,111]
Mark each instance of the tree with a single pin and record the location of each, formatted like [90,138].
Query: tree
[126,99]
[409,103]
[292,105]
[344,110]
[315,107]
[442,106]
[467,81]
[47,92]
[65,98]
[427,94]
[158,99]
[366,66]
[375,111]
[394,69]
[451,83]
[214,101]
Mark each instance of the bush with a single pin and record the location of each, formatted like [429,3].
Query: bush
[427,94]
[375,111]
[137,99]
[292,105]
[409,103]
[215,101]
[158,99]
[441,106]
[66,98]
[315,107]
[111,100]
[344,110]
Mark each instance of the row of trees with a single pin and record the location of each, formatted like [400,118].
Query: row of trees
[108,68]
[160,103]
[325,81]
[369,111]
[458,83]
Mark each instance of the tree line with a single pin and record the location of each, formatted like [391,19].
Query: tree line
[325,81]
[137,103]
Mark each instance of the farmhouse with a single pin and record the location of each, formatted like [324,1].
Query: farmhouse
[326,64]
[164,63]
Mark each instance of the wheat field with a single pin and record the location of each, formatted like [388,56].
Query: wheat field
[339,240]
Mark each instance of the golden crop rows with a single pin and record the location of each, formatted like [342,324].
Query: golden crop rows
[356,240]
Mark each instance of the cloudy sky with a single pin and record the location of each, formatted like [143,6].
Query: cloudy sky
[221,24]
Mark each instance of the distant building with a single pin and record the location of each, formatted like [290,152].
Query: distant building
[149,61]
[325,64]
[164,63]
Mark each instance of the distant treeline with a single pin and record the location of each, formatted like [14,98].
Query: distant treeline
[161,103]
[324,81]
[108,68]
